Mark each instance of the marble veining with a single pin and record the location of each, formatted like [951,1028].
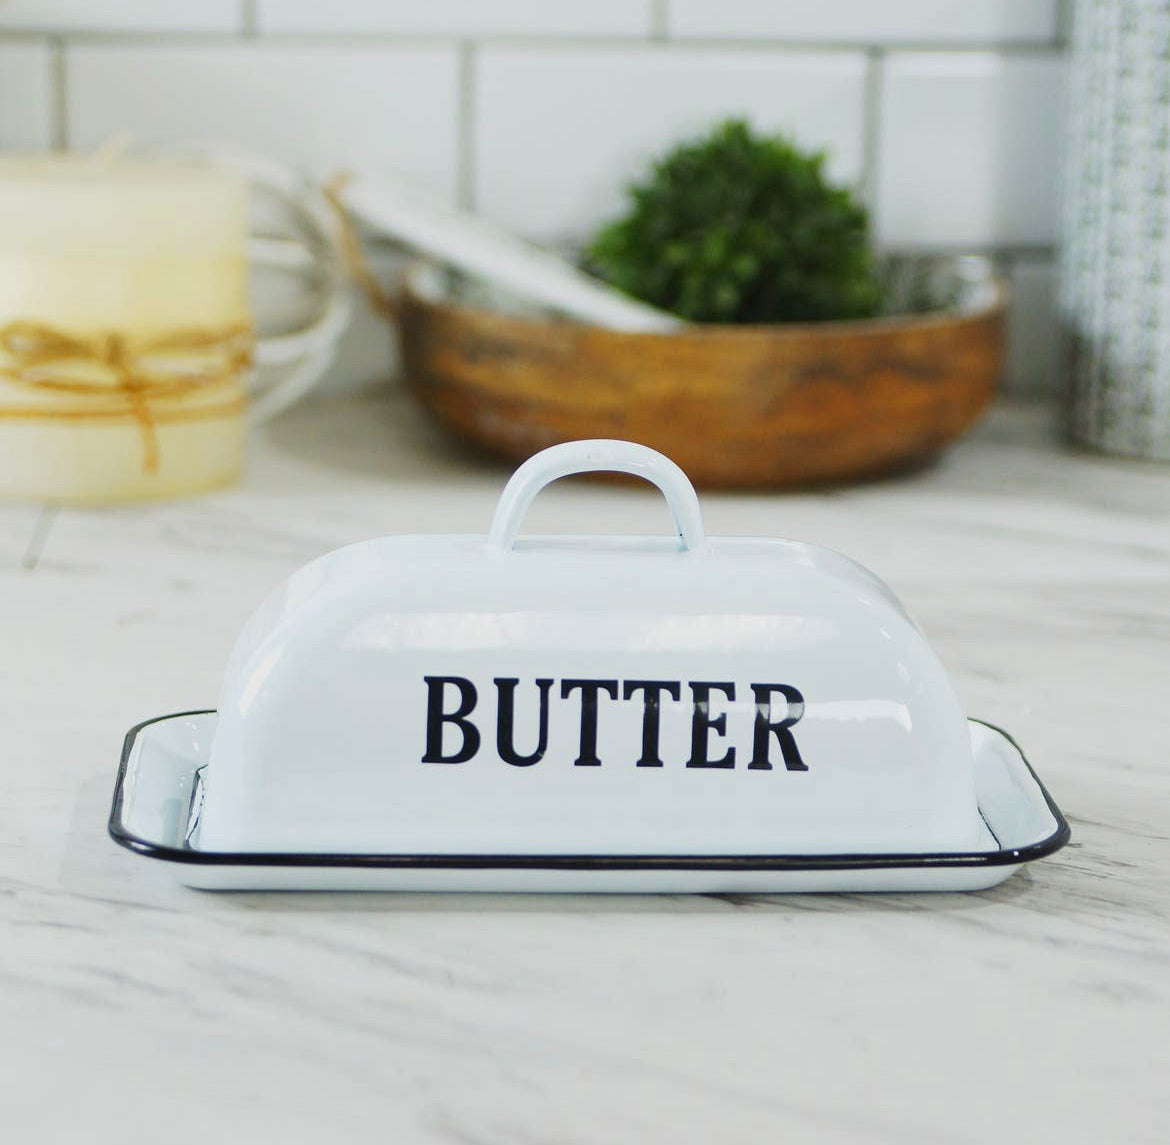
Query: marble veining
[131,1008]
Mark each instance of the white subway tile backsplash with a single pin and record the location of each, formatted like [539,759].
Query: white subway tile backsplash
[958,148]
[868,21]
[26,109]
[122,15]
[968,149]
[379,110]
[1033,336]
[560,132]
[458,17]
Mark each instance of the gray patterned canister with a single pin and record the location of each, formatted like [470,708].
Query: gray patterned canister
[1115,280]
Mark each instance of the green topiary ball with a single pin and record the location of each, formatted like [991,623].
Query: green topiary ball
[739,227]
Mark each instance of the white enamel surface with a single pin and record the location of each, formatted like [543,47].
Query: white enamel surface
[159,808]
[897,880]
[598,456]
[323,728]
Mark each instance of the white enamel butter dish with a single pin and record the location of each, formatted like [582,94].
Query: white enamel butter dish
[582,713]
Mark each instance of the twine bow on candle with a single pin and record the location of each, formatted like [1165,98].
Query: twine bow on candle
[349,246]
[111,376]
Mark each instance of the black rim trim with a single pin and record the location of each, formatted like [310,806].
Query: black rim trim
[839,862]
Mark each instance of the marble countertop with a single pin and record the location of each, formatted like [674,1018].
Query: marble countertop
[132,1008]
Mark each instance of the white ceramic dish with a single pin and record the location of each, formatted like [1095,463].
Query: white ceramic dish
[578,712]
[157,803]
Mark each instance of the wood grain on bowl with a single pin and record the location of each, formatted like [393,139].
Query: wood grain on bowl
[735,406]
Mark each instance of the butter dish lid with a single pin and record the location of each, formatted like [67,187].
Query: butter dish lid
[686,694]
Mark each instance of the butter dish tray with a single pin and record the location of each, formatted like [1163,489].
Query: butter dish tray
[661,713]
[159,791]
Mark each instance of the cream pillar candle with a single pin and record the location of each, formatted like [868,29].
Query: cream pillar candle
[125,334]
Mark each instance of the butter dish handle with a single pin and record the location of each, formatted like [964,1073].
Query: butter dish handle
[598,456]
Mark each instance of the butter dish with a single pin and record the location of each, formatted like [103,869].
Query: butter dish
[683,713]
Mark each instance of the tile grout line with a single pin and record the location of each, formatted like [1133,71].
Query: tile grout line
[249,19]
[659,20]
[871,130]
[40,536]
[249,28]
[59,96]
[465,127]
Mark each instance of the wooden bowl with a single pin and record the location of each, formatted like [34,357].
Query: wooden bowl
[735,406]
